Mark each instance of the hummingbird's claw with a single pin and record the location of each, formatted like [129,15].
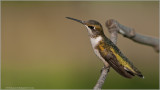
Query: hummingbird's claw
[104,67]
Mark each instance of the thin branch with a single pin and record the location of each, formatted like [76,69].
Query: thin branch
[131,34]
[102,78]
[105,69]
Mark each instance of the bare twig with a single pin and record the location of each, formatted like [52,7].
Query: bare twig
[131,34]
[102,78]
[105,69]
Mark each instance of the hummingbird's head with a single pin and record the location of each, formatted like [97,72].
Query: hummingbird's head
[94,28]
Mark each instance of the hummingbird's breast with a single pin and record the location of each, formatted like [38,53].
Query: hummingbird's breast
[95,42]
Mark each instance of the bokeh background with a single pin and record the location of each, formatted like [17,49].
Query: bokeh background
[41,49]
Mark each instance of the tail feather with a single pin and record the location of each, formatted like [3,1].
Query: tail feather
[141,76]
[137,72]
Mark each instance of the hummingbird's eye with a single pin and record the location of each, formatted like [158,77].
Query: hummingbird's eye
[91,27]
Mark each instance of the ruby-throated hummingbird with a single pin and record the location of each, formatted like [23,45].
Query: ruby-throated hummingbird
[104,48]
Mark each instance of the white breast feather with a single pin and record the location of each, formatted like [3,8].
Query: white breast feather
[94,42]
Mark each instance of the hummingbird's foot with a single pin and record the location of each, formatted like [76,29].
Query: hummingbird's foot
[105,68]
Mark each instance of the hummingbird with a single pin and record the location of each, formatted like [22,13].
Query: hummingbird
[107,51]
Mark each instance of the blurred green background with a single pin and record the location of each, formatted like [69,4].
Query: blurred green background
[42,49]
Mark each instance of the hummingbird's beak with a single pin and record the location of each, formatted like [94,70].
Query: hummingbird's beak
[80,21]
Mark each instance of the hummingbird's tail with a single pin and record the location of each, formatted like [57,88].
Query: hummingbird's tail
[137,72]
[141,76]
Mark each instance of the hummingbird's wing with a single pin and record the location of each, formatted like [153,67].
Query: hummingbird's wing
[112,60]
[122,60]
[118,61]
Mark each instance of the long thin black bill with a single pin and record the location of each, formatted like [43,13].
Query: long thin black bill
[75,20]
